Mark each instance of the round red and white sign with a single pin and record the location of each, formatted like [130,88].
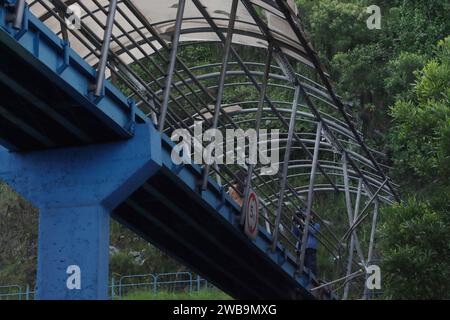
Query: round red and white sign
[252,215]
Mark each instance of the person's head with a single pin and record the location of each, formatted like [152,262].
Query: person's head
[301,213]
[312,218]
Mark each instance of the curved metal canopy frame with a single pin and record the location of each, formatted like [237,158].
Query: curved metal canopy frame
[138,44]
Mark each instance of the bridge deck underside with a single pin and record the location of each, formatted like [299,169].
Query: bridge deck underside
[46,92]
[36,114]
[171,216]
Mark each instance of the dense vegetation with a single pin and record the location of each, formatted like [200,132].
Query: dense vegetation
[417,233]
[398,81]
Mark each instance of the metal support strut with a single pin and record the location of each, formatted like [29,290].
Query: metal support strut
[223,75]
[172,63]
[258,119]
[99,83]
[18,13]
[284,173]
[310,197]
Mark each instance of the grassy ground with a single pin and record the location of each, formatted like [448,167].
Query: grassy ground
[205,294]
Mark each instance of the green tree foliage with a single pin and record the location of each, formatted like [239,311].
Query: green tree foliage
[416,234]
[336,26]
[420,138]
[131,255]
[400,75]
[18,239]
[416,252]
[374,67]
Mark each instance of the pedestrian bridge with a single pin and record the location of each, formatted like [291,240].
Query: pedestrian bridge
[90,94]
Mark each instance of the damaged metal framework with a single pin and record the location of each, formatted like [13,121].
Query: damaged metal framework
[140,44]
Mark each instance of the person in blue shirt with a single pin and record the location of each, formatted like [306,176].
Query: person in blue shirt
[311,246]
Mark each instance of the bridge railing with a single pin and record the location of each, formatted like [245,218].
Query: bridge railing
[11,292]
[154,283]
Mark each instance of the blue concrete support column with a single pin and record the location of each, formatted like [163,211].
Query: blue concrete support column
[75,189]
[73,253]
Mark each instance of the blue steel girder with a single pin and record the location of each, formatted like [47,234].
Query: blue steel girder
[202,230]
[46,91]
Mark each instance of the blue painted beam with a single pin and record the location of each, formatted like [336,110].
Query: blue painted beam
[42,51]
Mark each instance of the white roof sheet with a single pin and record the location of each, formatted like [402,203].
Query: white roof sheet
[161,16]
